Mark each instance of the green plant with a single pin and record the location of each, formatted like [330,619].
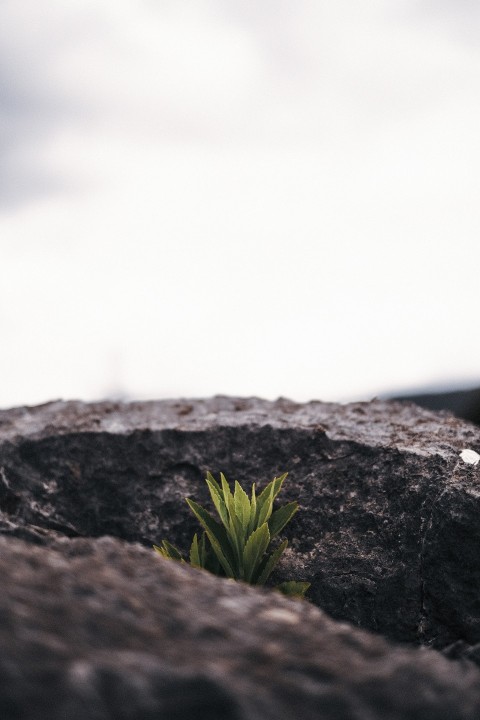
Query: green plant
[238,546]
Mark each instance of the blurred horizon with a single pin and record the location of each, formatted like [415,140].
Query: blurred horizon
[419,393]
[270,199]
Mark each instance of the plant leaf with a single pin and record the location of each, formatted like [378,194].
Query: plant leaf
[234,531]
[254,550]
[224,547]
[218,501]
[271,563]
[167,550]
[276,483]
[242,505]
[209,524]
[253,512]
[195,559]
[266,498]
[215,484]
[227,493]
[292,588]
[266,509]
[215,533]
[281,517]
[236,536]
[261,499]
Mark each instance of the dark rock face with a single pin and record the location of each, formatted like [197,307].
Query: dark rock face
[462,403]
[387,534]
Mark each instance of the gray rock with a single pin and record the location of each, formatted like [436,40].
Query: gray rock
[387,534]
[462,403]
[105,629]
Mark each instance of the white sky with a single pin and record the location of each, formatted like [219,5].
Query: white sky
[275,198]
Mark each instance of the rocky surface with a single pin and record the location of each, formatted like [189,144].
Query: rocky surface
[387,534]
[109,630]
[462,403]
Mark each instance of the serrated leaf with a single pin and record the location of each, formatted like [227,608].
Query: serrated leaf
[209,524]
[292,588]
[266,509]
[167,550]
[263,497]
[218,501]
[236,536]
[253,512]
[266,498]
[281,517]
[242,505]
[227,493]
[215,533]
[230,506]
[271,563]
[254,551]
[195,559]
[276,484]
[214,483]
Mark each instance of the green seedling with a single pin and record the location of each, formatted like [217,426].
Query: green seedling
[238,546]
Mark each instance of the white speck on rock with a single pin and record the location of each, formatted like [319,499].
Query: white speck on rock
[470,457]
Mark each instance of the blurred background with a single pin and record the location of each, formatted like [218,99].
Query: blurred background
[269,198]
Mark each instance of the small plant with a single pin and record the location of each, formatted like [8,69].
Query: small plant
[238,546]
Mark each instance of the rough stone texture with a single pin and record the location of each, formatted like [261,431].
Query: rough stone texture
[388,535]
[462,403]
[108,630]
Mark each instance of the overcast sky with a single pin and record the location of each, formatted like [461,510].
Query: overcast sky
[275,198]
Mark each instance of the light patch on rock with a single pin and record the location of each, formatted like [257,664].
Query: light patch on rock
[280,615]
[470,457]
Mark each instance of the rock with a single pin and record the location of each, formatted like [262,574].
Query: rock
[460,650]
[387,534]
[107,629]
[462,403]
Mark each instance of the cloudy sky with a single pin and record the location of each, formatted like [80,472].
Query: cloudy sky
[275,198]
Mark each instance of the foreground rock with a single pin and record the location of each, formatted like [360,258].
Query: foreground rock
[105,629]
[388,536]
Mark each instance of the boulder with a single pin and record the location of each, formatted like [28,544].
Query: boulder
[94,622]
[105,629]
